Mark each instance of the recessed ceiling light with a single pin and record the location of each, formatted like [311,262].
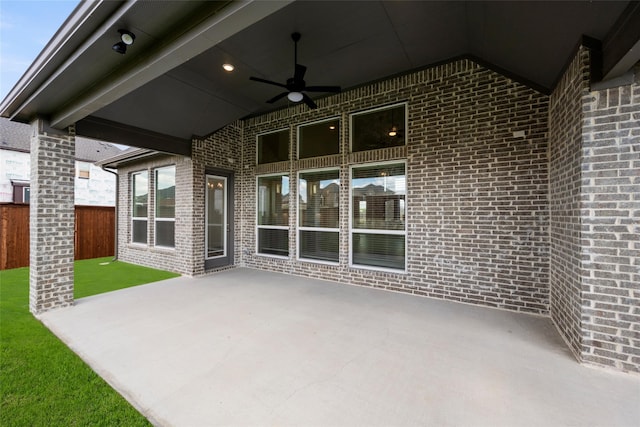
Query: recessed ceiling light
[228,67]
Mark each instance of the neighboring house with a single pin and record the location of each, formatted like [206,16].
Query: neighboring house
[93,186]
[480,152]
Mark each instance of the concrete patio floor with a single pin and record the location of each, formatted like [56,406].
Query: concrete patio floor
[246,347]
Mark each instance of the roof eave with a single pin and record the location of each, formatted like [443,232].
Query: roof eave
[55,56]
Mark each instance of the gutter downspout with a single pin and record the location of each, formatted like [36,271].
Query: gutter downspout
[115,236]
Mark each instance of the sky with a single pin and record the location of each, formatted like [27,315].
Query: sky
[25,28]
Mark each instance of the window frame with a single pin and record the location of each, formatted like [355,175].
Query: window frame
[271,227]
[132,211]
[329,119]
[288,130]
[300,228]
[157,219]
[353,230]
[225,224]
[405,104]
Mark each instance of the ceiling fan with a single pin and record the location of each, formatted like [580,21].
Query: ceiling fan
[296,86]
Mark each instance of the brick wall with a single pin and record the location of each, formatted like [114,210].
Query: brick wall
[611,226]
[221,150]
[179,259]
[594,139]
[51,223]
[515,199]
[565,163]
[476,195]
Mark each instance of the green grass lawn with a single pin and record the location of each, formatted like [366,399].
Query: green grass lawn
[42,382]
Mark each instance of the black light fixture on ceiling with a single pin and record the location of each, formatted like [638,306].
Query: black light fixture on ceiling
[126,38]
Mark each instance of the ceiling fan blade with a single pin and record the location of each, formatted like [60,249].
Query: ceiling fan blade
[269,82]
[299,74]
[277,97]
[335,89]
[309,101]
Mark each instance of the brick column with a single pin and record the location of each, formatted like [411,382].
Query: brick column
[51,218]
[610,228]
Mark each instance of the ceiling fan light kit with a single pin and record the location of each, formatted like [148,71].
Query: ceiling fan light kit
[296,86]
[126,39]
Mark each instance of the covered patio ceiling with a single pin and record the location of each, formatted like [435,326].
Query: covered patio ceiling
[170,85]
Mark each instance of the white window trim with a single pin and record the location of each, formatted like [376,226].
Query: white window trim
[300,228]
[224,219]
[156,219]
[330,119]
[270,227]
[384,107]
[139,218]
[79,169]
[376,231]
[268,133]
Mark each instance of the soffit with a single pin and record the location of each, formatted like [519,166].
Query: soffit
[346,43]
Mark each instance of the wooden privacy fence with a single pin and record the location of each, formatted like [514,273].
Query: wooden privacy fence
[94,233]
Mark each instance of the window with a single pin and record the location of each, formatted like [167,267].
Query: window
[319,139]
[273,147]
[140,205]
[273,215]
[378,216]
[21,192]
[319,215]
[165,206]
[380,128]
[84,170]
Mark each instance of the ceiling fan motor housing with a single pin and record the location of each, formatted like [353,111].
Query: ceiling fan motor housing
[296,84]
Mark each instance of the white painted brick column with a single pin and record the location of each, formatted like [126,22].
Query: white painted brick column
[51,218]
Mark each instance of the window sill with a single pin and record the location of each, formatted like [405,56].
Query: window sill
[379,269]
[272,256]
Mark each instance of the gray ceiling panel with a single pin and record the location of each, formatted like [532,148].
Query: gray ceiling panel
[345,43]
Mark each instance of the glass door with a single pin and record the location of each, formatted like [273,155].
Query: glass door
[217,227]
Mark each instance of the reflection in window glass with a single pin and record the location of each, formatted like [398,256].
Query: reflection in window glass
[319,215]
[378,250]
[319,199]
[166,192]
[378,129]
[273,215]
[319,139]
[273,241]
[216,218]
[378,222]
[140,204]
[165,196]
[273,147]
[378,194]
